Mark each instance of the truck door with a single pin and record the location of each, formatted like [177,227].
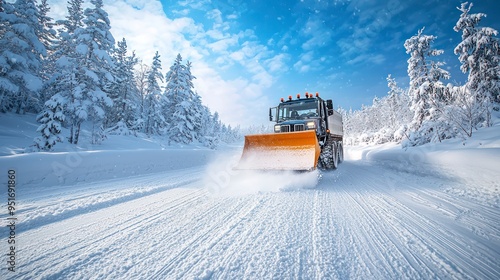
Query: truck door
[322,123]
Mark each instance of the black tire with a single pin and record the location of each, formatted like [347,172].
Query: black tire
[326,156]
[325,159]
[341,152]
[331,154]
[335,155]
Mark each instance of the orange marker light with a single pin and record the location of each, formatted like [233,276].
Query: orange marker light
[282,99]
[289,97]
[298,95]
[317,94]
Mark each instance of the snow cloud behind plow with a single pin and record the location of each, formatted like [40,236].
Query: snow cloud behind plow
[222,178]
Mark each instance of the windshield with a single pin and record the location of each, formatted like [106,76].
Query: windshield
[298,110]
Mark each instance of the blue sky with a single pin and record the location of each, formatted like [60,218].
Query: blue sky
[246,54]
[343,49]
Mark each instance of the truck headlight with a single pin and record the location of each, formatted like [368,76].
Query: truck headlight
[277,128]
[310,125]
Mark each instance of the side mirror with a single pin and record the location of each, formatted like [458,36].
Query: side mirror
[273,116]
[329,104]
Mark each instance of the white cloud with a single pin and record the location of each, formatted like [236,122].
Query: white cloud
[305,61]
[319,35]
[238,101]
[183,12]
[371,18]
[367,58]
[194,4]
[278,63]
[215,15]
[222,46]
[232,16]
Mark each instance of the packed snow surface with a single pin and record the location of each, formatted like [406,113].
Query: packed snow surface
[185,213]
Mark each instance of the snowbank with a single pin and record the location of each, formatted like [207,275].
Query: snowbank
[45,169]
[118,156]
[481,153]
[473,163]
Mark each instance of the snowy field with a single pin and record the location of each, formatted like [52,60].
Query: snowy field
[137,209]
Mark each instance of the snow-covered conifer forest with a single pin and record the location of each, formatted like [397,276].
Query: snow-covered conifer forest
[75,76]
[429,109]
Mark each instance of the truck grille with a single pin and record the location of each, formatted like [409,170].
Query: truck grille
[293,127]
[298,127]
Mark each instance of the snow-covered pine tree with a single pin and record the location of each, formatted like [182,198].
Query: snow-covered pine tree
[211,129]
[51,120]
[182,107]
[392,101]
[462,113]
[94,44]
[122,90]
[230,134]
[203,134]
[21,53]
[397,110]
[198,122]
[6,87]
[141,82]
[48,38]
[64,81]
[197,105]
[173,85]
[425,87]
[74,19]
[383,121]
[119,129]
[479,53]
[154,120]
[236,134]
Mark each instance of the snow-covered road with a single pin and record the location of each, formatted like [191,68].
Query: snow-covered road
[362,221]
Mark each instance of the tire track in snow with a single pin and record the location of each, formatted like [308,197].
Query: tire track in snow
[225,224]
[361,221]
[375,253]
[434,242]
[38,214]
[444,248]
[445,240]
[469,213]
[94,233]
[325,238]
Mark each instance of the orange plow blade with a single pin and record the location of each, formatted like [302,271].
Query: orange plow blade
[280,151]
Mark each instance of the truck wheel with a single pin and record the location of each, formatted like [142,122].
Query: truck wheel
[341,152]
[326,156]
[335,155]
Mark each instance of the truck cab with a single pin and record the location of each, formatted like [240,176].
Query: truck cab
[307,133]
[309,113]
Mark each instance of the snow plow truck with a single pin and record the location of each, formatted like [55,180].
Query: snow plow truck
[307,135]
